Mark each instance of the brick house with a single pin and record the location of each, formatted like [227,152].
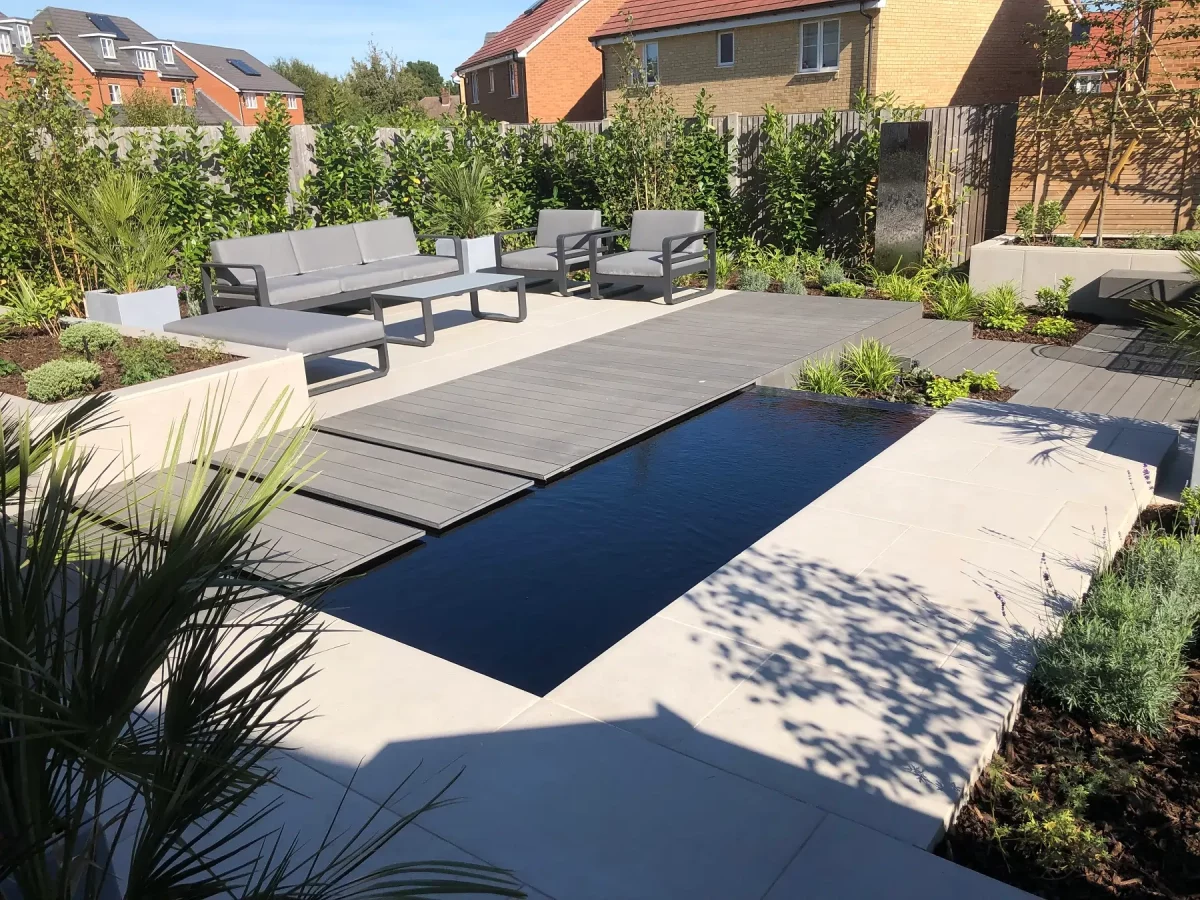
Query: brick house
[541,67]
[808,55]
[238,82]
[1170,29]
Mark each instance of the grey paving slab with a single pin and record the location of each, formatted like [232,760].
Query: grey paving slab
[582,400]
[424,490]
[306,539]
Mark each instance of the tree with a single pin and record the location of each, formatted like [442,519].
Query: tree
[321,90]
[430,77]
[383,83]
[154,110]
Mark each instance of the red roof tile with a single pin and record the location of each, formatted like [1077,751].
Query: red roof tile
[645,15]
[521,32]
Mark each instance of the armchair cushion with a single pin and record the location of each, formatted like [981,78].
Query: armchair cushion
[538,259]
[386,239]
[325,248]
[393,271]
[272,251]
[294,288]
[651,226]
[633,262]
[553,222]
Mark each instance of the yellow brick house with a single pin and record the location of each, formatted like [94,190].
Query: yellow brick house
[807,55]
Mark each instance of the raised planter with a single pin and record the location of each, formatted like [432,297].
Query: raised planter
[478,253]
[1000,259]
[143,309]
[140,418]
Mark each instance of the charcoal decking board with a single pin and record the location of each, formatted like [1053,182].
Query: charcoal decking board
[307,539]
[545,415]
[424,490]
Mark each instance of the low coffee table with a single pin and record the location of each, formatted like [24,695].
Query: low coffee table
[425,292]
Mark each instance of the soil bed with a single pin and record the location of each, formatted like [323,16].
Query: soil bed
[29,348]
[1083,327]
[1148,813]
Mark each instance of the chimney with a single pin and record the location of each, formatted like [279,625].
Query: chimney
[445,97]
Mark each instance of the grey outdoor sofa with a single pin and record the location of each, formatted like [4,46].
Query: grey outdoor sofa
[320,267]
[560,245]
[663,245]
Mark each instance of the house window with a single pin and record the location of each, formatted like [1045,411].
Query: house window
[474,87]
[168,55]
[1081,31]
[24,35]
[252,101]
[725,48]
[293,101]
[178,96]
[108,49]
[514,82]
[5,43]
[114,94]
[491,81]
[145,60]
[1091,83]
[820,45]
[650,63]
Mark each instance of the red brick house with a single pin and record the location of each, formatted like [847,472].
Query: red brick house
[1170,33]
[541,67]
[239,82]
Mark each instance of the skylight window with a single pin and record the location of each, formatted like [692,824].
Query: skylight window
[244,67]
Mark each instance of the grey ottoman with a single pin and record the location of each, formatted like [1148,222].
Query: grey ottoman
[310,333]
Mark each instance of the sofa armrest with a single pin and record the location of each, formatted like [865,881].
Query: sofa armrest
[499,237]
[259,291]
[594,242]
[458,251]
[670,251]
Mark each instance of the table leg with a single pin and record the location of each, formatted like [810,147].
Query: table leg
[500,317]
[427,340]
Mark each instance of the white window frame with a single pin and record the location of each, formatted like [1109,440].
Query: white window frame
[178,96]
[108,48]
[24,37]
[251,101]
[5,43]
[114,95]
[1088,83]
[648,81]
[732,47]
[820,26]
[514,81]
[167,53]
[293,101]
[474,79]
[146,60]
[491,79]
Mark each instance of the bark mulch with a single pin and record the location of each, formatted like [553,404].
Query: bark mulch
[1083,327]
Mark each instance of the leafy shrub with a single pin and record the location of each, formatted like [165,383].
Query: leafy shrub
[870,367]
[725,267]
[810,263]
[1054,327]
[1000,307]
[209,350]
[1068,240]
[146,360]
[1189,507]
[89,338]
[1039,220]
[31,306]
[1052,301]
[1184,240]
[794,284]
[953,299]
[831,273]
[942,392]
[1145,240]
[777,264]
[8,367]
[980,381]
[1119,656]
[754,280]
[894,285]
[824,376]
[59,379]
[846,289]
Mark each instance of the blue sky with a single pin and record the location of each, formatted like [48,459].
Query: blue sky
[326,34]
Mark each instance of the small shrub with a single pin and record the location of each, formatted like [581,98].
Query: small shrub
[942,392]
[1145,240]
[90,338]
[1118,656]
[1000,307]
[1026,219]
[980,381]
[810,263]
[31,306]
[831,273]
[59,379]
[1184,240]
[794,284]
[1039,221]
[1068,240]
[8,367]
[1052,301]
[754,280]
[870,367]
[824,376]
[1189,507]
[725,268]
[209,350]
[953,299]
[846,289]
[1054,327]
[146,360]
[894,285]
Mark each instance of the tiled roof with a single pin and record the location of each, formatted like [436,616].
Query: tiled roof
[648,15]
[209,112]
[216,60]
[71,23]
[521,31]
[436,109]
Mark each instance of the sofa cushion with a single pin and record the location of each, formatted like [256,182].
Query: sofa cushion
[387,272]
[386,239]
[326,248]
[651,226]
[293,288]
[540,259]
[553,222]
[282,329]
[271,251]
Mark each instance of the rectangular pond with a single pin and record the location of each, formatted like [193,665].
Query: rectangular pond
[533,591]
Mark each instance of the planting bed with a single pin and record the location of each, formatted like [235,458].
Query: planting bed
[1083,327]
[29,348]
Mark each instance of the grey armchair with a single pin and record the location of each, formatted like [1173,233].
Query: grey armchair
[663,245]
[560,245]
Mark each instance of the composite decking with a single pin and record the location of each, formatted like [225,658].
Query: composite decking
[548,414]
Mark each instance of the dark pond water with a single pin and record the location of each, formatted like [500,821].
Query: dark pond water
[533,591]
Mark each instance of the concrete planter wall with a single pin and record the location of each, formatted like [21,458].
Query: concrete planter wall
[140,418]
[478,253]
[999,260]
[143,309]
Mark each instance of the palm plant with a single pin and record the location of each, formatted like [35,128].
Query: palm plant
[144,686]
[1179,321]
[464,199]
[123,233]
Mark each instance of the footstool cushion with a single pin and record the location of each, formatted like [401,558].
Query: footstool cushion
[282,329]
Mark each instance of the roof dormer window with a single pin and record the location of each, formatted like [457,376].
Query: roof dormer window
[5,42]
[167,53]
[145,60]
[24,37]
[108,49]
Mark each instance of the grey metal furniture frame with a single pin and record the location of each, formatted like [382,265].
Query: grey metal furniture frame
[452,286]
[675,262]
[569,258]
